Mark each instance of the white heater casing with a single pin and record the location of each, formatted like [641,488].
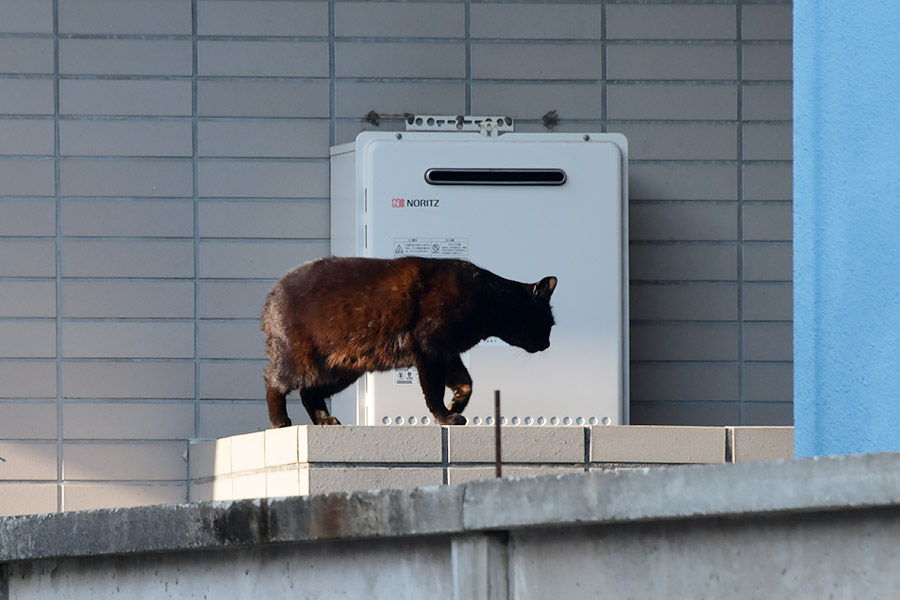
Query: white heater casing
[382,206]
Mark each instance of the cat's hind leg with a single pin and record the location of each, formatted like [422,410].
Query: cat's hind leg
[313,399]
[277,402]
[459,381]
[432,375]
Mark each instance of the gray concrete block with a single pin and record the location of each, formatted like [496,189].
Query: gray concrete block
[26,96]
[117,218]
[250,58]
[262,18]
[357,98]
[125,138]
[670,22]
[766,22]
[27,177]
[125,57]
[256,179]
[768,222]
[127,258]
[28,298]
[767,182]
[230,339]
[28,461]
[263,139]
[26,16]
[676,262]
[289,99]
[28,421]
[518,444]
[128,379]
[132,178]
[26,56]
[325,479]
[27,498]
[671,61]
[362,444]
[399,19]
[27,258]
[28,339]
[265,219]
[677,382]
[701,414]
[125,462]
[682,222]
[236,380]
[537,61]
[83,496]
[124,299]
[768,262]
[768,302]
[155,98]
[768,341]
[220,419]
[636,444]
[701,302]
[767,102]
[533,100]
[536,21]
[107,421]
[232,299]
[672,101]
[682,181]
[684,341]
[767,63]
[767,142]
[25,379]
[256,260]
[400,59]
[762,443]
[676,141]
[27,217]
[769,414]
[125,17]
[121,339]
[768,382]
[26,137]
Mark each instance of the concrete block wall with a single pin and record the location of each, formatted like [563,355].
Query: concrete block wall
[163,162]
[302,460]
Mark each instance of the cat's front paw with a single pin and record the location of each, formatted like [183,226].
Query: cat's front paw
[453,419]
[329,420]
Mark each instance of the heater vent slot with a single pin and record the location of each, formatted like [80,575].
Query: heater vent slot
[496,176]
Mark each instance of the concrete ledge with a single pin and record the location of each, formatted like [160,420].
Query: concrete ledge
[639,495]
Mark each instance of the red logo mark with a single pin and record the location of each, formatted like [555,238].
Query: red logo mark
[398,203]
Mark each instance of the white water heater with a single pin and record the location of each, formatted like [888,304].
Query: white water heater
[524,206]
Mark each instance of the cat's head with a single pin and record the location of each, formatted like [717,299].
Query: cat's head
[534,320]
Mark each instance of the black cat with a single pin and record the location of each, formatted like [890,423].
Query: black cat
[330,320]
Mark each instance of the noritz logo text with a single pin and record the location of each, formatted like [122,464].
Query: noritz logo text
[415,202]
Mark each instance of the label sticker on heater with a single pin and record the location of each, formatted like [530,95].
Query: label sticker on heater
[433,247]
[408,376]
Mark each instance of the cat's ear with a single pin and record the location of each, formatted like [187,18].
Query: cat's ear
[544,288]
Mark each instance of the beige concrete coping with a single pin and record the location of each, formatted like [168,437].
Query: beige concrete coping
[310,459]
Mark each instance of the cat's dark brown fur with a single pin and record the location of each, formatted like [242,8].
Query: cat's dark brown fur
[330,320]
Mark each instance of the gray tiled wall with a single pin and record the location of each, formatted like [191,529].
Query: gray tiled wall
[163,162]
